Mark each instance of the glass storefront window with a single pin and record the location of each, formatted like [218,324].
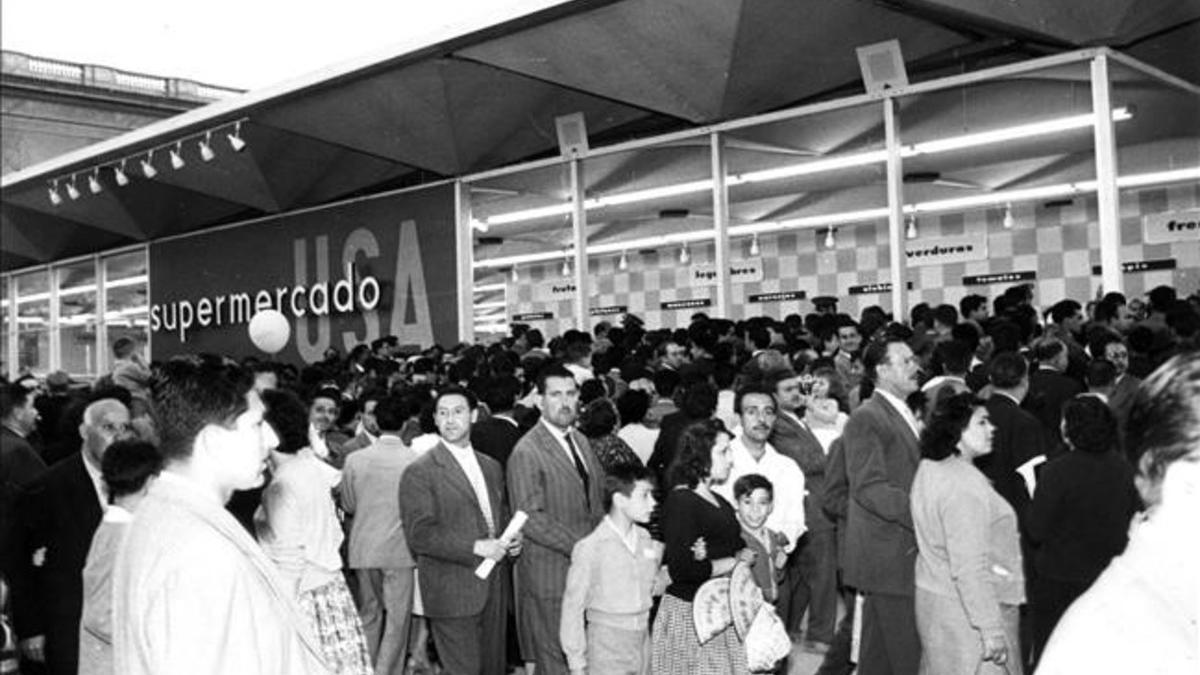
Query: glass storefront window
[77,319]
[127,305]
[6,308]
[33,322]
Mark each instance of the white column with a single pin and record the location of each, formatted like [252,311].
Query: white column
[579,227]
[465,249]
[895,194]
[102,351]
[724,299]
[1107,196]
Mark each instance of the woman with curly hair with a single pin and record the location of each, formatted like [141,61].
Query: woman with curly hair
[703,541]
[1081,511]
[598,421]
[969,580]
[298,528]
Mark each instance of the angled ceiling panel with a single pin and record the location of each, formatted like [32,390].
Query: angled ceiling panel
[670,56]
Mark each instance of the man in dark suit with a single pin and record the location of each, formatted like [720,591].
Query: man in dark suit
[1049,389]
[20,465]
[498,435]
[452,506]
[555,478]
[699,403]
[1018,436]
[882,454]
[61,511]
[811,583]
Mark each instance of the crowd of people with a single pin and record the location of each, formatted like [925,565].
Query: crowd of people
[984,488]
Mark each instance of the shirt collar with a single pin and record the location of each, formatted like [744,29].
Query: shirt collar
[93,473]
[558,433]
[15,430]
[900,407]
[629,540]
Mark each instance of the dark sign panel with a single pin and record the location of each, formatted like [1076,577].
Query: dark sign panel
[533,316]
[608,311]
[1142,265]
[341,276]
[885,287]
[687,304]
[781,296]
[1000,278]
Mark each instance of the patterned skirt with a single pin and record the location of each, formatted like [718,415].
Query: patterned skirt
[677,650]
[334,620]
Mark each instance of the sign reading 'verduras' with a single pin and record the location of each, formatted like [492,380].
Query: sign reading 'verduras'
[943,250]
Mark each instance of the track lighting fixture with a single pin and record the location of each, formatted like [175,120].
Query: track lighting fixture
[119,175]
[566,268]
[148,169]
[235,139]
[177,157]
[206,151]
[55,198]
[515,277]
[911,232]
[684,256]
[830,242]
[754,250]
[1009,221]
[72,191]
[94,182]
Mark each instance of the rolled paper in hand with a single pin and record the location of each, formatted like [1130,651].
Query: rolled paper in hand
[510,533]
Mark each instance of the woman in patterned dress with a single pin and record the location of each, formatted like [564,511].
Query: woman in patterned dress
[703,541]
[599,423]
[298,527]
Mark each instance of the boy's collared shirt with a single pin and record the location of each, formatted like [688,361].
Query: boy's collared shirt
[787,481]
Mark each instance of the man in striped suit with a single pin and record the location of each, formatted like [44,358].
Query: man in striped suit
[555,478]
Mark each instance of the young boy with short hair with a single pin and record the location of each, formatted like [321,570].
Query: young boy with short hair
[606,606]
[754,497]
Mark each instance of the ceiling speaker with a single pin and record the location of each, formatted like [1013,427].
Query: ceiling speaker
[572,134]
[882,66]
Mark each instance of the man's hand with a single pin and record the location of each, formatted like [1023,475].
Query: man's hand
[34,648]
[995,649]
[747,555]
[700,549]
[492,549]
[513,547]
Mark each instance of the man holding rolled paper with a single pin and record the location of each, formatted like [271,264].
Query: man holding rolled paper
[452,505]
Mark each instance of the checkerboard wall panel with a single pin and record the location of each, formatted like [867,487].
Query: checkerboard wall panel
[1061,244]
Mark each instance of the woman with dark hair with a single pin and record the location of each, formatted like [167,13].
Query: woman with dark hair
[299,530]
[598,421]
[969,580]
[1081,510]
[703,540]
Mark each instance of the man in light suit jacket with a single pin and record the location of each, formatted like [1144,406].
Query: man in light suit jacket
[882,454]
[453,509]
[555,478]
[62,510]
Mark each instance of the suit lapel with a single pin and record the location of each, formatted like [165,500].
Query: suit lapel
[83,492]
[557,454]
[457,478]
[904,432]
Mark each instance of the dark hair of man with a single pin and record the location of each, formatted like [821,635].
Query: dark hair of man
[622,479]
[1063,310]
[693,462]
[920,315]
[760,337]
[971,303]
[455,390]
[1007,370]
[1164,421]
[1046,349]
[1089,425]
[633,406]
[591,390]
[124,347]
[127,465]
[1005,334]
[968,333]
[598,418]
[954,357]
[288,417]
[946,425]
[875,354]
[666,381]
[747,484]
[1161,298]
[1100,341]
[700,400]
[500,393]
[743,392]
[190,393]
[330,393]
[392,411]
[945,315]
[1105,311]
[1100,373]
[554,369]
[1115,298]
[13,396]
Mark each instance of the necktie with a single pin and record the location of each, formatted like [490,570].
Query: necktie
[583,474]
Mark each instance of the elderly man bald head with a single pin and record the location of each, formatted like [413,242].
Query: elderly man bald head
[104,422]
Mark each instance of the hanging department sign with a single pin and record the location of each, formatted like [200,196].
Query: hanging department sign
[342,276]
[555,290]
[999,278]
[740,272]
[944,250]
[1168,228]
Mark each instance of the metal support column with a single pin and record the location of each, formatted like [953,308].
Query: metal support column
[895,195]
[1107,196]
[724,298]
[579,228]
[465,250]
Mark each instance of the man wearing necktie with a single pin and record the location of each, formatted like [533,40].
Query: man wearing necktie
[555,478]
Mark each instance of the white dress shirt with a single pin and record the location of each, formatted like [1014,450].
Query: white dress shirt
[466,458]
[93,472]
[561,437]
[787,481]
